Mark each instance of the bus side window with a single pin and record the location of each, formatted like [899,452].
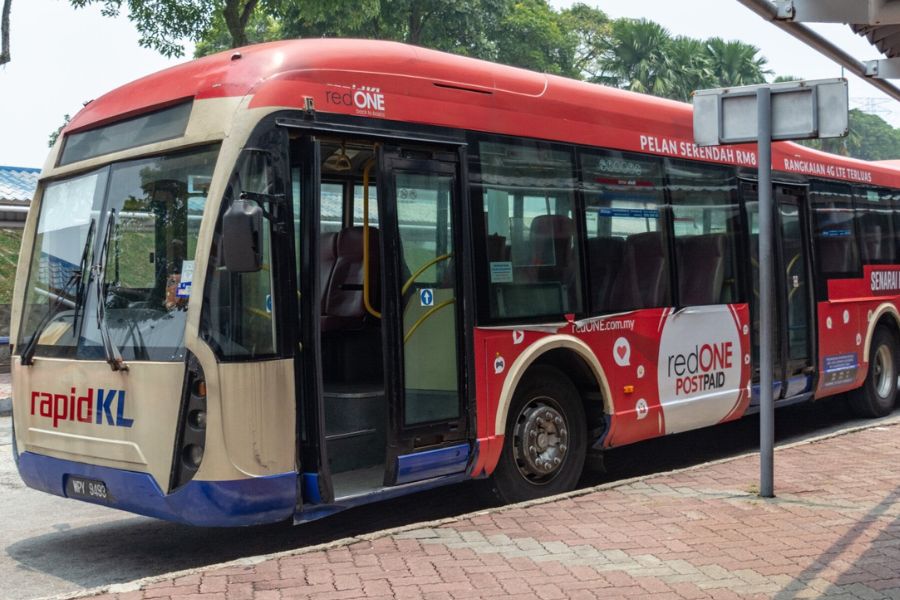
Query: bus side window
[837,252]
[874,214]
[627,247]
[705,222]
[531,238]
[239,317]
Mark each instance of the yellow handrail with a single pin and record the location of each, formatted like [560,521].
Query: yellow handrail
[421,320]
[366,302]
[422,269]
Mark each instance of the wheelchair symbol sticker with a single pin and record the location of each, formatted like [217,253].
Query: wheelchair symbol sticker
[426,297]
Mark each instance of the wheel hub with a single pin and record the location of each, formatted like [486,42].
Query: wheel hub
[541,440]
[884,371]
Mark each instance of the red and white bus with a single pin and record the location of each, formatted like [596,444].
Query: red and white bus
[287,279]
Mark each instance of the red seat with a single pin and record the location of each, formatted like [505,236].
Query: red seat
[343,307]
[702,269]
[643,279]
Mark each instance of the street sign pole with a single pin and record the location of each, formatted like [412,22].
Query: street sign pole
[766,295]
[796,110]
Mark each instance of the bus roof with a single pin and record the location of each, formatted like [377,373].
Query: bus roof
[394,81]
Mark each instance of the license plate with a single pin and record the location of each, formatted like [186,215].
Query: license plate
[87,489]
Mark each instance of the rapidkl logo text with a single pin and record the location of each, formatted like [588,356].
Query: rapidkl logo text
[103,407]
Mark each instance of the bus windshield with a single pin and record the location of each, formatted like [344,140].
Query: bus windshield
[154,207]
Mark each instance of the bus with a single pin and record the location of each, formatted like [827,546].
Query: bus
[292,278]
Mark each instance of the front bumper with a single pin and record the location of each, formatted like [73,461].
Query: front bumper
[252,501]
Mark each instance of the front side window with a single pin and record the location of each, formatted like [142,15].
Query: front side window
[531,238]
[115,250]
[239,314]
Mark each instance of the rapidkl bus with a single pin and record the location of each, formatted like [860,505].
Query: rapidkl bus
[284,280]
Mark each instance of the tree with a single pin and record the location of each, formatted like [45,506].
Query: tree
[691,66]
[636,57]
[735,63]
[51,140]
[4,32]
[589,29]
[164,24]
[532,38]
[870,138]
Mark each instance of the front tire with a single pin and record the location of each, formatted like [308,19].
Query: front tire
[878,393]
[546,437]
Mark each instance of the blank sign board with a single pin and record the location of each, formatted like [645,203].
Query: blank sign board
[800,110]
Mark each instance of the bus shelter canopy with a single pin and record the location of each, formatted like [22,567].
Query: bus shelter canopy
[876,20]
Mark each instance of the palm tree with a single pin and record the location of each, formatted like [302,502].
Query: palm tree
[735,63]
[690,66]
[636,57]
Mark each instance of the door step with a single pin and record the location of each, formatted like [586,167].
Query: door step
[355,419]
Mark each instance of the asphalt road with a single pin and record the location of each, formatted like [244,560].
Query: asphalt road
[51,545]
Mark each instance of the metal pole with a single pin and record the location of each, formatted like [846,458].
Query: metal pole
[766,296]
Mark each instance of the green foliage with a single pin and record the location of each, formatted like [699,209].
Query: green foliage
[588,29]
[164,24]
[734,63]
[51,139]
[533,39]
[870,138]
[642,56]
[10,240]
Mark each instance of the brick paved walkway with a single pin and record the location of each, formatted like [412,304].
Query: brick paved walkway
[833,531]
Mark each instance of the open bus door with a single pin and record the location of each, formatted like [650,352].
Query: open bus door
[419,200]
[314,485]
[794,369]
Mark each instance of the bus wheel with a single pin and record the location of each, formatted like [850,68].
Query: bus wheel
[877,396]
[544,448]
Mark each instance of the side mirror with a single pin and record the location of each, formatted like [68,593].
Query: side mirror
[242,237]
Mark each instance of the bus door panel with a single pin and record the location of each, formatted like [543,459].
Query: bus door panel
[304,192]
[792,355]
[792,236]
[423,339]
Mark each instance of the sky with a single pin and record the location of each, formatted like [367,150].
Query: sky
[62,57]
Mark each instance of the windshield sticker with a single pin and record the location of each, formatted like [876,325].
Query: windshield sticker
[187,276]
[501,272]
[187,271]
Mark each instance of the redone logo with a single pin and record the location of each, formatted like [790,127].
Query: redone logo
[99,406]
[701,370]
[366,99]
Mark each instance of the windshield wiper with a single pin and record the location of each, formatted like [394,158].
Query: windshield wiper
[76,277]
[113,356]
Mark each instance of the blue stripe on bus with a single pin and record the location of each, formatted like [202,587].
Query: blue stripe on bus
[310,487]
[432,463]
[206,503]
[796,385]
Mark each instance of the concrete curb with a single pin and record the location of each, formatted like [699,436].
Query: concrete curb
[5,407]
[120,588]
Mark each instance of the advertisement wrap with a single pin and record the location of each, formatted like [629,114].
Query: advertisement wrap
[665,371]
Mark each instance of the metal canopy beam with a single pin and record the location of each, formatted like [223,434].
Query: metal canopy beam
[886,68]
[859,12]
[768,11]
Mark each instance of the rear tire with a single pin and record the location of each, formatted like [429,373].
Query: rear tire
[546,437]
[878,393]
